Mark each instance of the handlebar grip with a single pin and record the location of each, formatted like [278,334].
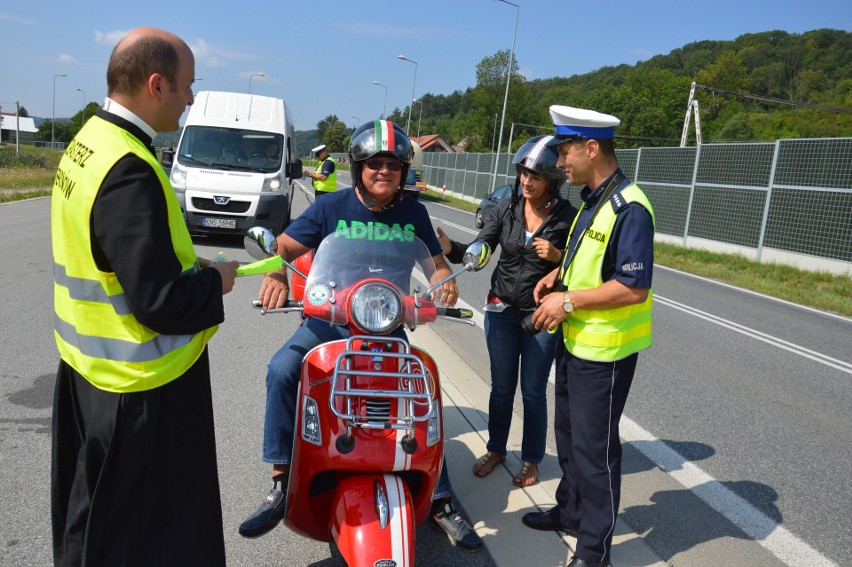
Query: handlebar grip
[289,304]
[455,312]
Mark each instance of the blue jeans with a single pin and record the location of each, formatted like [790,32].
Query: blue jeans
[511,348]
[282,383]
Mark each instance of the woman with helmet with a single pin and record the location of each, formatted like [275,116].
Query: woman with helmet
[531,228]
[380,155]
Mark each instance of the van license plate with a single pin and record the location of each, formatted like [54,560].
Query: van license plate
[219,223]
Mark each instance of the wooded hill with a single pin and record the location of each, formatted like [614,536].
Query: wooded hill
[765,86]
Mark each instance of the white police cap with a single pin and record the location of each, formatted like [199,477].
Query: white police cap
[573,122]
[318,149]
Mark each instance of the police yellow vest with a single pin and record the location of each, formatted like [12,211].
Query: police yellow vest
[330,183]
[604,334]
[95,331]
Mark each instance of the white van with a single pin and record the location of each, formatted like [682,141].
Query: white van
[234,166]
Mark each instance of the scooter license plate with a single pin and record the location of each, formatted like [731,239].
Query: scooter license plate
[219,223]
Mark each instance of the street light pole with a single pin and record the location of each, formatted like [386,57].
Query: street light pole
[83,119]
[53,116]
[413,83]
[420,102]
[384,108]
[356,123]
[506,96]
[261,74]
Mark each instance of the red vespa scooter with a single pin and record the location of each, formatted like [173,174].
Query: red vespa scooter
[368,444]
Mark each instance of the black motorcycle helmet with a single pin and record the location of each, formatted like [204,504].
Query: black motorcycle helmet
[379,138]
[537,156]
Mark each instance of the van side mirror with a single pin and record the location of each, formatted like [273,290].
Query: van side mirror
[168,157]
[294,169]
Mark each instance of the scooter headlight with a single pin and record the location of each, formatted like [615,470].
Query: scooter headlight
[376,308]
[311,422]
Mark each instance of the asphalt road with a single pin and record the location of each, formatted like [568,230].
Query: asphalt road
[737,431]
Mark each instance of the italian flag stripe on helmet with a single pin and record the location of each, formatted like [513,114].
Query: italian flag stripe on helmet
[384,136]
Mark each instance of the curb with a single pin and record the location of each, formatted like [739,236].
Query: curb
[493,504]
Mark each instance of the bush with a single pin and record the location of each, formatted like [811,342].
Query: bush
[8,158]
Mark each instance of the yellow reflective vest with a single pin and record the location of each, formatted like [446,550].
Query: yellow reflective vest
[330,183]
[95,331]
[604,334]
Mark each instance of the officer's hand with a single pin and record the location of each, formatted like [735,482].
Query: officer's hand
[544,286]
[274,290]
[549,314]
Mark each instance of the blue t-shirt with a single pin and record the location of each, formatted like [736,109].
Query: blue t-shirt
[341,211]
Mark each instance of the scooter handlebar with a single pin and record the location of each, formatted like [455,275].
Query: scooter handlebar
[289,306]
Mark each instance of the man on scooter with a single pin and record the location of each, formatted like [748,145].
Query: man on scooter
[380,156]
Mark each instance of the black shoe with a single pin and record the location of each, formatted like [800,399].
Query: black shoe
[577,562]
[445,518]
[547,522]
[270,512]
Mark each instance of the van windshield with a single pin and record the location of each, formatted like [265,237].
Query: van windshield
[230,148]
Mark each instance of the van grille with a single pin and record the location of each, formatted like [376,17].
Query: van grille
[209,205]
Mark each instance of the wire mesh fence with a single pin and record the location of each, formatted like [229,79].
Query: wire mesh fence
[790,195]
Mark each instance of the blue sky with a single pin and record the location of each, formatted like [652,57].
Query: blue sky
[322,57]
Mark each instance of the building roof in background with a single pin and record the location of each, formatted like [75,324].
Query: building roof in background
[433,143]
[22,123]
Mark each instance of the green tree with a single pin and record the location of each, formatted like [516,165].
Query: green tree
[325,124]
[335,137]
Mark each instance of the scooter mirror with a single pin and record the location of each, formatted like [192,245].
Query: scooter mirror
[260,243]
[476,256]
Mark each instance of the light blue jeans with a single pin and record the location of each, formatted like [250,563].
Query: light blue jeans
[282,383]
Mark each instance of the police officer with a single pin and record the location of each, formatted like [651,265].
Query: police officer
[324,179]
[601,298]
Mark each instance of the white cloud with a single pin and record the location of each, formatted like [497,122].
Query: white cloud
[65,58]
[210,55]
[110,38]
[15,19]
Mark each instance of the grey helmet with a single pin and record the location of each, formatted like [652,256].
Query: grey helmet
[379,138]
[536,155]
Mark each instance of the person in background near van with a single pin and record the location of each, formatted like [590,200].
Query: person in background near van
[381,155]
[531,227]
[324,179]
[134,478]
[273,152]
[601,297]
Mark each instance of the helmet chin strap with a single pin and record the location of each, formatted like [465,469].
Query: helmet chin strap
[371,203]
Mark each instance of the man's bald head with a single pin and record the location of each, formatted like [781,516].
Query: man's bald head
[141,53]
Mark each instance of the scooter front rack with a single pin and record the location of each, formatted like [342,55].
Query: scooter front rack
[413,388]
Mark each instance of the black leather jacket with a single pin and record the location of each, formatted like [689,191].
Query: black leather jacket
[519,268]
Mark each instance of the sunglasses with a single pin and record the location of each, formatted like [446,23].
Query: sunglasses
[376,164]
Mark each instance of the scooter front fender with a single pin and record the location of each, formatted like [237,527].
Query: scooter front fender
[362,504]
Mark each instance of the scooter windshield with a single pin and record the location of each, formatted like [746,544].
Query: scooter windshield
[346,257]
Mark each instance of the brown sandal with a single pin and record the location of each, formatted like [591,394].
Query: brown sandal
[527,476]
[486,464]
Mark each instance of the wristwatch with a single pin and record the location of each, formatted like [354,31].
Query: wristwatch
[567,304]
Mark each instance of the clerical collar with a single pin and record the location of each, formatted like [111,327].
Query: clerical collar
[115,108]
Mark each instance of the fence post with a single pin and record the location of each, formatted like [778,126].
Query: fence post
[768,198]
[691,191]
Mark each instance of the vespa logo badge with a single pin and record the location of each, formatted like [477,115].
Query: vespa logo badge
[385,563]
[219,200]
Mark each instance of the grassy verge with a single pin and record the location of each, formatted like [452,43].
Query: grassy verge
[820,290]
